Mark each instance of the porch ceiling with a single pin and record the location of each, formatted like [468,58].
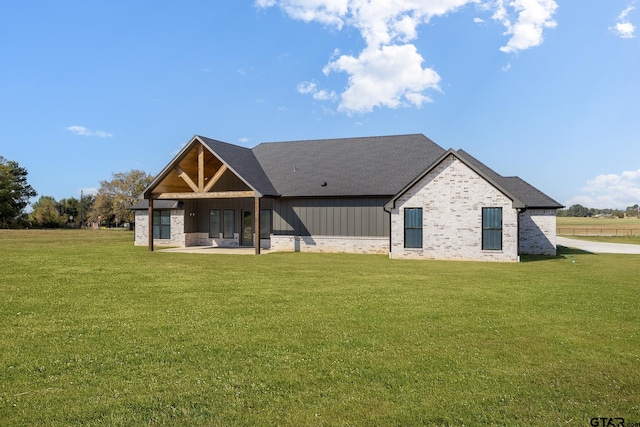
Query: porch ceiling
[200,174]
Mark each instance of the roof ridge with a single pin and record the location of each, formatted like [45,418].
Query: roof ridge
[222,142]
[293,141]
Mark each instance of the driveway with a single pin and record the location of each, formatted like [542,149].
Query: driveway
[599,247]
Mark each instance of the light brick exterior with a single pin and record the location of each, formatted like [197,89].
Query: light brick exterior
[452,196]
[177,230]
[203,239]
[336,244]
[538,232]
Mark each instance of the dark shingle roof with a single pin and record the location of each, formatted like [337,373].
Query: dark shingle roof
[348,167]
[244,164]
[523,191]
[370,166]
[528,194]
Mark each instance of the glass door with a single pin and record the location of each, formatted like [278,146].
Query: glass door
[247,229]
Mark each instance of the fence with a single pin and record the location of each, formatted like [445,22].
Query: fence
[595,231]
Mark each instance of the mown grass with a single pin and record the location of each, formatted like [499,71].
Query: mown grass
[612,230]
[98,332]
[600,222]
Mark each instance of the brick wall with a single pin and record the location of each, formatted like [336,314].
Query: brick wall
[203,239]
[452,197]
[177,230]
[538,232]
[336,244]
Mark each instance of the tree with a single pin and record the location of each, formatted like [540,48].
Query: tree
[633,210]
[115,198]
[15,192]
[577,211]
[70,209]
[46,214]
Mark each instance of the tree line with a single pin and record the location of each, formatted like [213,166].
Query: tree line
[584,212]
[110,206]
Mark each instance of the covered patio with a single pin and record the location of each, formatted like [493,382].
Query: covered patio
[217,191]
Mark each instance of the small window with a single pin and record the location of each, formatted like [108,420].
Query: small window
[215,223]
[161,224]
[413,228]
[265,223]
[229,223]
[491,229]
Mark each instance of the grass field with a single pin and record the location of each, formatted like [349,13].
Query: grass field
[614,230]
[98,332]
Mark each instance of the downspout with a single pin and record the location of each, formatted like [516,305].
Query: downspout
[150,222]
[390,233]
[520,211]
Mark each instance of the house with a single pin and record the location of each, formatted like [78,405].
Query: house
[403,195]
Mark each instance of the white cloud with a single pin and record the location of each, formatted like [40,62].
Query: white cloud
[389,72]
[310,88]
[533,16]
[478,20]
[610,191]
[625,12]
[83,131]
[623,28]
[306,87]
[389,76]
[243,140]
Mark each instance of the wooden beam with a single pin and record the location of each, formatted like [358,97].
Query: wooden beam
[182,174]
[150,213]
[256,228]
[215,178]
[200,168]
[210,195]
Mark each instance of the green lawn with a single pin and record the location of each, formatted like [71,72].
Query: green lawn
[98,332]
[612,230]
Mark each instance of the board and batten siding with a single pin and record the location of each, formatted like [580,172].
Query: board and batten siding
[200,221]
[361,217]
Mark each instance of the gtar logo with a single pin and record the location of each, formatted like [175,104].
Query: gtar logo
[607,422]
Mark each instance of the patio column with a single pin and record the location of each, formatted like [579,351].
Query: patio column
[150,231]
[256,227]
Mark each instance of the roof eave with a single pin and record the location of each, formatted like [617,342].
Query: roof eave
[163,174]
[516,203]
[235,172]
[172,164]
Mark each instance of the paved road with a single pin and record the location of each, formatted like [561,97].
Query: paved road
[599,247]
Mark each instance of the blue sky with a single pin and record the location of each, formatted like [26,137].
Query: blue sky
[546,90]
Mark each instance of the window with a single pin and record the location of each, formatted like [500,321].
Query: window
[491,229]
[215,223]
[229,223]
[161,224]
[413,228]
[265,223]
